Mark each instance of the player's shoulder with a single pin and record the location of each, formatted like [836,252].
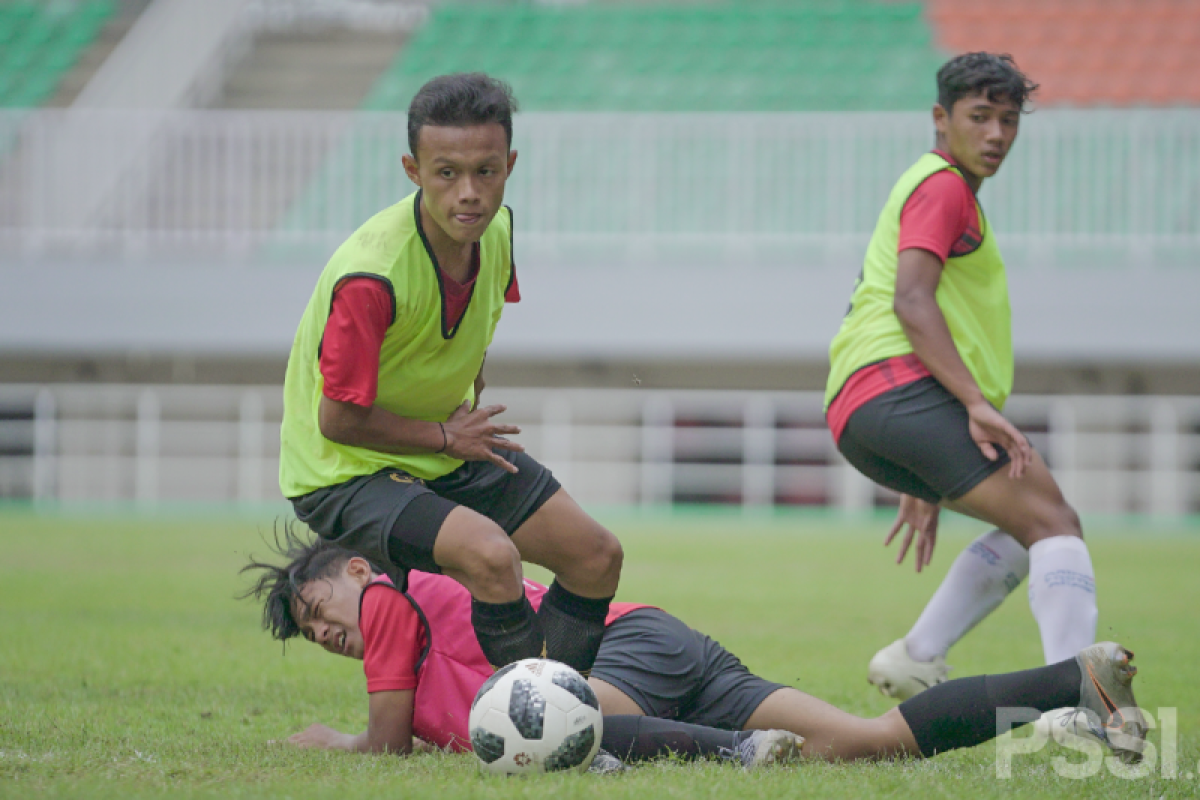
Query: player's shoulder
[386,233]
[502,224]
[380,597]
[947,184]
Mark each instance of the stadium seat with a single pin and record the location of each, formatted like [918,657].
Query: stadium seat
[1085,52]
[40,43]
[630,57]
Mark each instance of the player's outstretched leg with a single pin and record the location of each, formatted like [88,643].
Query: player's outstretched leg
[586,561]
[1098,680]
[963,712]
[985,573]
[633,738]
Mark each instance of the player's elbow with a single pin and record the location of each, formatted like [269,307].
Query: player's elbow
[910,305]
[339,422]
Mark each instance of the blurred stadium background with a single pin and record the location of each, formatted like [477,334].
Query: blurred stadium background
[696,185]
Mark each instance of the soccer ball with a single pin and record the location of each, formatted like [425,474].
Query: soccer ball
[535,716]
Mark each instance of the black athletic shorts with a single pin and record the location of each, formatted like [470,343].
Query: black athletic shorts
[674,672]
[392,519]
[914,439]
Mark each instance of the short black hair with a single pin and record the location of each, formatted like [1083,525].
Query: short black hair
[458,100]
[308,558]
[995,75]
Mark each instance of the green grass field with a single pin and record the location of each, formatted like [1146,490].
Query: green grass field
[127,669]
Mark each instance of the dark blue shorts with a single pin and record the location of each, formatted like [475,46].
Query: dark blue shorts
[674,672]
[392,519]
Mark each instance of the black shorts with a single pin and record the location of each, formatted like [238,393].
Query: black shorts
[914,439]
[392,519]
[674,672]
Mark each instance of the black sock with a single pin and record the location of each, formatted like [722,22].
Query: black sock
[573,626]
[507,632]
[962,713]
[633,738]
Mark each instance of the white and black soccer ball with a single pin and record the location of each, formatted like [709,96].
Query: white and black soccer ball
[535,716]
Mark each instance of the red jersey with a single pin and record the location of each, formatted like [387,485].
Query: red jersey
[422,639]
[361,313]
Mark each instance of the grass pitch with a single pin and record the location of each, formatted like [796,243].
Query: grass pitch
[127,669]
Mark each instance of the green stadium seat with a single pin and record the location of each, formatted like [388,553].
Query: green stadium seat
[751,56]
[39,43]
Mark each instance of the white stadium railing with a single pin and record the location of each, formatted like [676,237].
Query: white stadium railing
[149,445]
[1094,189]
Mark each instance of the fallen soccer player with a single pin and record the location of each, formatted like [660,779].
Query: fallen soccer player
[663,687]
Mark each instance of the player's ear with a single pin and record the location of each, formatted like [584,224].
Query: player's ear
[512,160]
[359,570]
[411,169]
[941,118]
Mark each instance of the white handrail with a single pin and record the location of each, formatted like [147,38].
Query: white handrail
[158,444]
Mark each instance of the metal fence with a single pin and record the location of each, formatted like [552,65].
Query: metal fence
[1087,189]
[154,444]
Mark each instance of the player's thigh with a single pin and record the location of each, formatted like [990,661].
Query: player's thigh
[829,732]
[652,659]
[361,515]
[508,499]
[613,701]
[1029,508]
[923,430]
[476,552]
[560,536]
[883,471]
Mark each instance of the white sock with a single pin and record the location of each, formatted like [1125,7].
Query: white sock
[978,581]
[1062,595]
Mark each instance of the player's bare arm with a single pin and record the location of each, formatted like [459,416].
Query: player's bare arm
[389,728]
[468,435]
[917,274]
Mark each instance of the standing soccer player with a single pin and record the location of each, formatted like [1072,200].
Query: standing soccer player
[920,371]
[385,449]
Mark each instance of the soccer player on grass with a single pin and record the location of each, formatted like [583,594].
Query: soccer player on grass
[385,449]
[662,686]
[920,370]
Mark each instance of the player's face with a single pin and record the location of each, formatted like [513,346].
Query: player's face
[978,132]
[462,172]
[328,615]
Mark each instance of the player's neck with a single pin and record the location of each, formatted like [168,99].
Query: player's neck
[943,149]
[453,257]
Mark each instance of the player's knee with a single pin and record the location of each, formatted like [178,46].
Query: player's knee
[607,556]
[492,568]
[598,560]
[1057,519]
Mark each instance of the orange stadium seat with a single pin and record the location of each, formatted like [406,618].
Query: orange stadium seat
[1085,52]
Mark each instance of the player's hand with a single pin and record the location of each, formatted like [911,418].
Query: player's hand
[322,737]
[989,428]
[922,520]
[472,436]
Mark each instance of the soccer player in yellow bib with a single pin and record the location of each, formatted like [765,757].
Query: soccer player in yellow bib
[920,371]
[384,448]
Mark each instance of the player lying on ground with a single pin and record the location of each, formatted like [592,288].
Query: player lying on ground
[919,373]
[384,447]
[423,669]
